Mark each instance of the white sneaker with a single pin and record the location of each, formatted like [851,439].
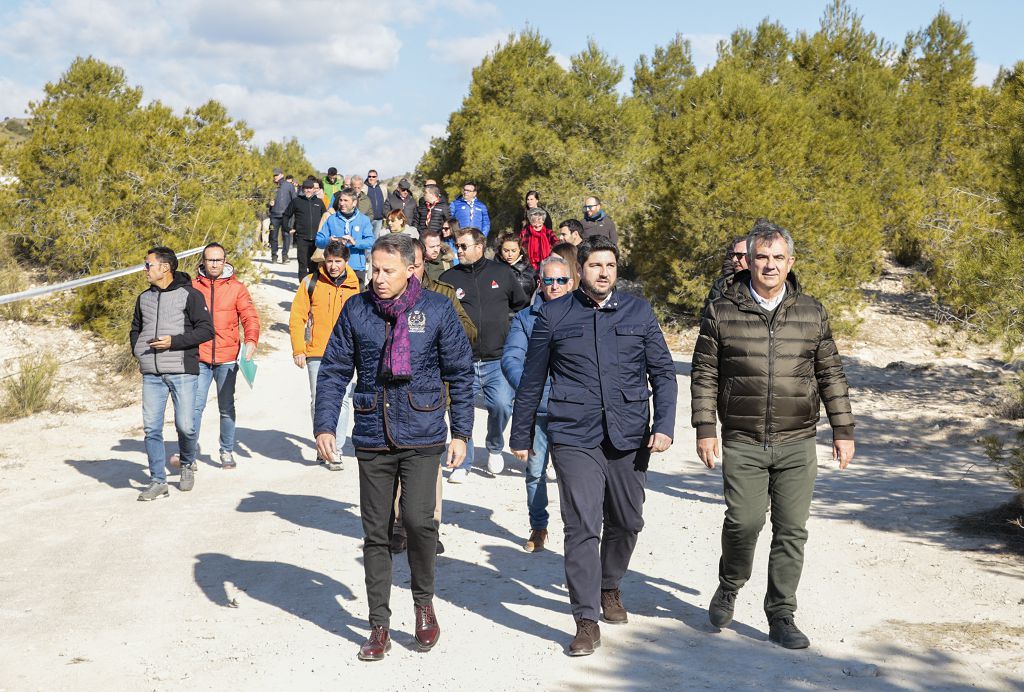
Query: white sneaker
[550,471]
[458,476]
[495,463]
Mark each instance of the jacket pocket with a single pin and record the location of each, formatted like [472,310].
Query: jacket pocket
[568,333]
[364,402]
[723,400]
[636,393]
[576,395]
[426,401]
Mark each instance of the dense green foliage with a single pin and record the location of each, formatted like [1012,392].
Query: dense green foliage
[103,176]
[861,148]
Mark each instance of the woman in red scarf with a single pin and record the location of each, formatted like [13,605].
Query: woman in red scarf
[537,238]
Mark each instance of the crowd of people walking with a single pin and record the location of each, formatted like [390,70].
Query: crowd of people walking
[408,311]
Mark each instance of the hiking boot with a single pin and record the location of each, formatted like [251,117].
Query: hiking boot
[188,478]
[588,638]
[154,492]
[538,537]
[612,609]
[495,463]
[784,632]
[378,644]
[427,629]
[227,460]
[723,603]
[331,465]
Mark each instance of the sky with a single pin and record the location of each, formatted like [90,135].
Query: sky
[367,84]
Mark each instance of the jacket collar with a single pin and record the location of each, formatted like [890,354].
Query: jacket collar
[739,291]
[229,273]
[611,304]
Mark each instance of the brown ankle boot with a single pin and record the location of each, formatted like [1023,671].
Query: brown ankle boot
[377,645]
[538,537]
[611,606]
[588,638]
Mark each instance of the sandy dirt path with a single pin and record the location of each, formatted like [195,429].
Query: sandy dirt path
[254,580]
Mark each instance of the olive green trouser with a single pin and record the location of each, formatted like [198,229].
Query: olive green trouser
[751,473]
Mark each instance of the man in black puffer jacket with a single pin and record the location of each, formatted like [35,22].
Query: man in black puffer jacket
[491,294]
[764,362]
[306,210]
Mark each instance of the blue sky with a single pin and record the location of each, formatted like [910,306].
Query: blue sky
[366,84]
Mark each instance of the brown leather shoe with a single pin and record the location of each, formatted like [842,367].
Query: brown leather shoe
[588,638]
[427,629]
[612,609]
[377,645]
[538,537]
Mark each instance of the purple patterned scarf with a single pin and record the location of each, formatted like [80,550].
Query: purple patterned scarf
[397,361]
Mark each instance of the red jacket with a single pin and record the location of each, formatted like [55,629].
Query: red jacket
[229,302]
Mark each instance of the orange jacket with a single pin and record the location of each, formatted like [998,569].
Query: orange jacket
[229,302]
[310,329]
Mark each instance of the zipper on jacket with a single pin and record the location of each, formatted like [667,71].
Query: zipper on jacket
[156,331]
[213,352]
[771,378]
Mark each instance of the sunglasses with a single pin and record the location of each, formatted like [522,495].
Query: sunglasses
[591,206]
[737,255]
[150,265]
[560,280]
[465,246]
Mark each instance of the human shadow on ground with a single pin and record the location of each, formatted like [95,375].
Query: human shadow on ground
[696,487]
[304,593]
[272,444]
[277,282]
[122,473]
[310,511]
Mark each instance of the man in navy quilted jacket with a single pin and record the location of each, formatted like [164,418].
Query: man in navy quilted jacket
[409,347]
[601,349]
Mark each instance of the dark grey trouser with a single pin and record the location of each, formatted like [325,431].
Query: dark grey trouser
[598,486]
[277,227]
[751,473]
[379,475]
[304,250]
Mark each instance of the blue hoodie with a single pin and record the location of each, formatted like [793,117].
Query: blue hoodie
[358,226]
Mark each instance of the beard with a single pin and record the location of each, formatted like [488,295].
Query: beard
[593,291]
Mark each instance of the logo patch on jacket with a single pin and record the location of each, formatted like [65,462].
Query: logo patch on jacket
[494,284]
[459,293]
[417,321]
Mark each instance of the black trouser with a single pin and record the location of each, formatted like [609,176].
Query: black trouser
[304,250]
[361,275]
[599,485]
[379,475]
[277,226]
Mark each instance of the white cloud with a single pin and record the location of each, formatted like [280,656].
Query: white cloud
[704,48]
[465,52]
[14,98]
[562,59]
[390,150]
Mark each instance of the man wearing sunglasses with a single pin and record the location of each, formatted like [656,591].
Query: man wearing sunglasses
[490,293]
[170,321]
[377,193]
[735,262]
[555,282]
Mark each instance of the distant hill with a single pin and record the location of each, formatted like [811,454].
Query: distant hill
[14,130]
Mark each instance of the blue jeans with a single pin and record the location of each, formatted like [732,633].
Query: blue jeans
[377,225]
[155,389]
[225,375]
[536,483]
[342,432]
[498,394]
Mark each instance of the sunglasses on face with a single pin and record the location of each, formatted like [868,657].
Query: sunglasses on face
[737,255]
[150,265]
[560,280]
[465,246]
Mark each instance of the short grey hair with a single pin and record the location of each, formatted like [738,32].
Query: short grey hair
[764,231]
[536,212]
[553,261]
[347,192]
[355,178]
[397,244]
[432,189]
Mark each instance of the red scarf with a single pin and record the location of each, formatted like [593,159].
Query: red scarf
[538,244]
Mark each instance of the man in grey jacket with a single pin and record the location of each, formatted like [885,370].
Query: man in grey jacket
[170,321]
[282,198]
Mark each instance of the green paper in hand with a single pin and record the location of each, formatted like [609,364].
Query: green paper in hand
[248,368]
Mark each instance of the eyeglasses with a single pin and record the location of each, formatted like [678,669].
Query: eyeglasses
[591,206]
[371,177]
[150,265]
[468,189]
[213,261]
[465,246]
[446,228]
[560,280]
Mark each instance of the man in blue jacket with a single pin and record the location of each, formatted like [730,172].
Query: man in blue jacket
[469,211]
[350,226]
[413,358]
[555,282]
[600,348]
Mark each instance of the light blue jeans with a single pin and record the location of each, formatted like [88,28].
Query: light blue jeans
[344,429]
[498,395]
[182,389]
[225,375]
[536,483]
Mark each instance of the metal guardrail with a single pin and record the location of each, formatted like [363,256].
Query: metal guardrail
[78,283]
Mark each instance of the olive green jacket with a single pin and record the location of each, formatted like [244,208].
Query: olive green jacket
[765,376]
[448,291]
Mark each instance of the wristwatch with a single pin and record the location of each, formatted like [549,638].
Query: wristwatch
[464,438]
